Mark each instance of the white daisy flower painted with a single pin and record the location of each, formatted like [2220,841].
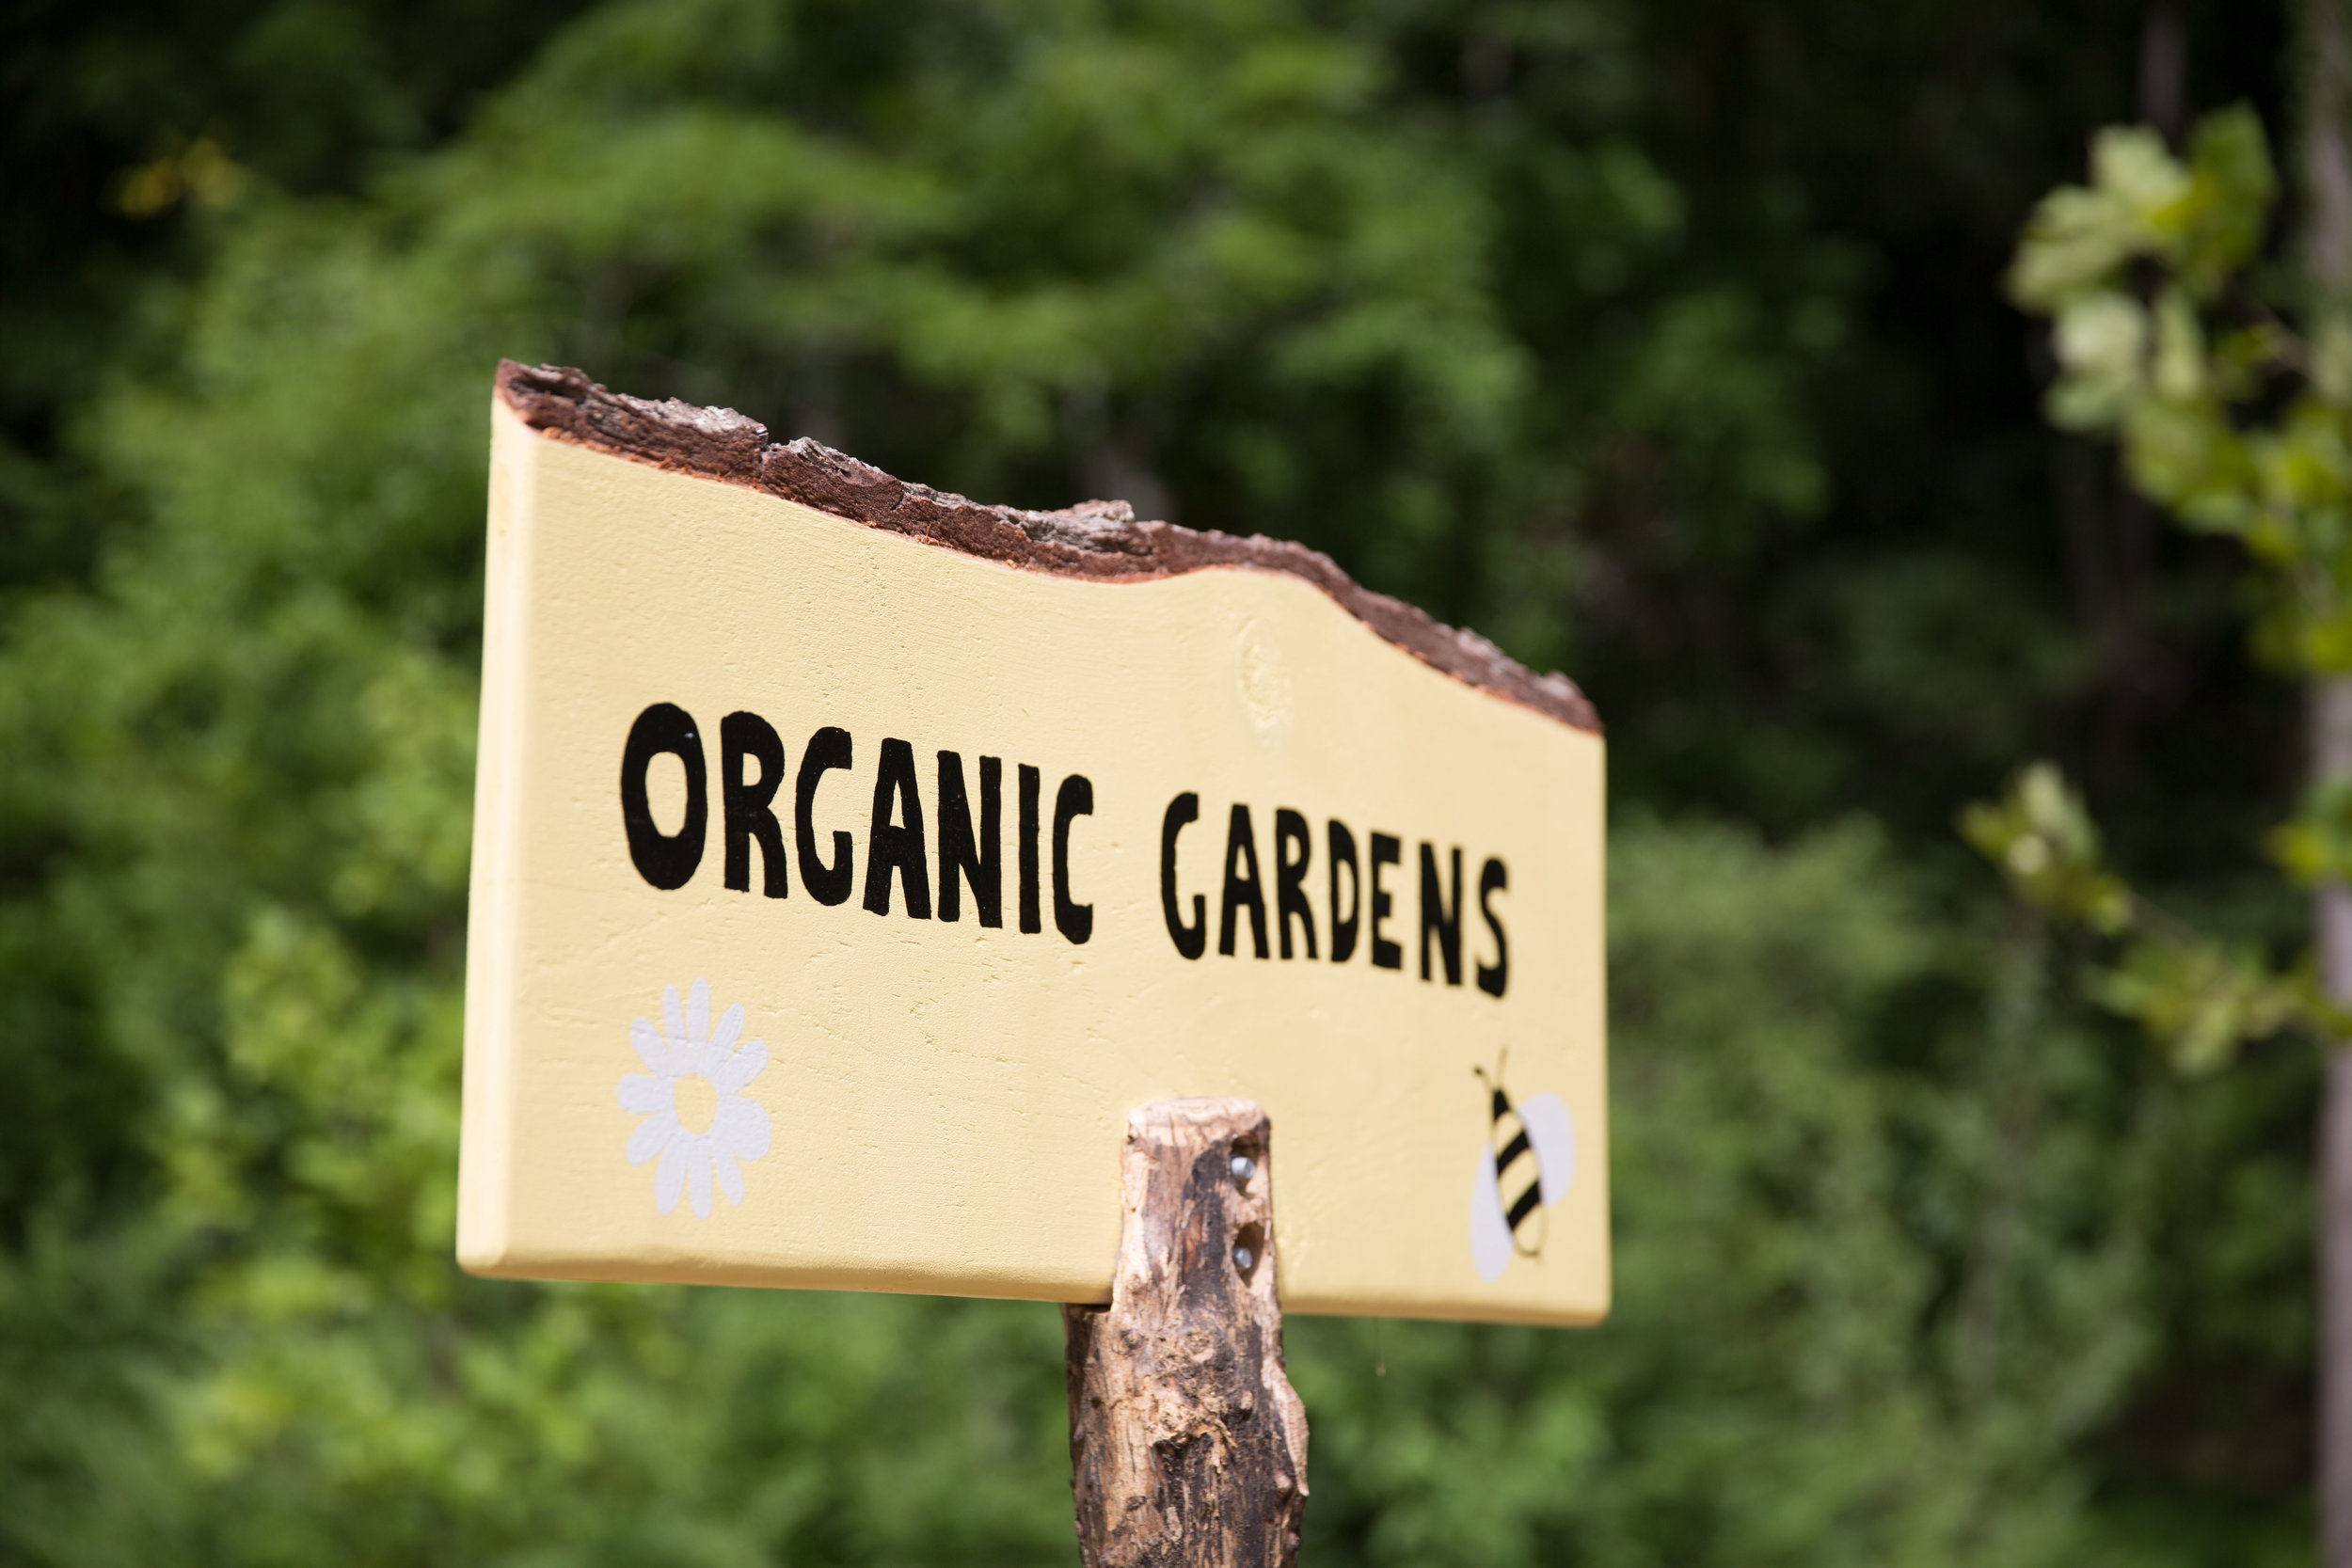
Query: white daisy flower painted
[697,1122]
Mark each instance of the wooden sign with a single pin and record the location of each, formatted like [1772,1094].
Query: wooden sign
[850,858]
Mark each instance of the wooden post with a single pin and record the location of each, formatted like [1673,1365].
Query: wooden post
[1187,1446]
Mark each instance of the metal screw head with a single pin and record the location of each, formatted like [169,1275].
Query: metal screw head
[1244,1168]
[1243,1258]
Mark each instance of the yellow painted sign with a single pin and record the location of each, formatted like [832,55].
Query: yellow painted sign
[837,893]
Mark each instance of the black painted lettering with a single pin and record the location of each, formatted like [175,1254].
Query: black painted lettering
[1440,916]
[1343,926]
[1386,850]
[962,859]
[899,847]
[1075,798]
[1293,847]
[1030,782]
[1241,890]
[1494,877]
[1192,940]
[747,808]
[666,860]
[828,749]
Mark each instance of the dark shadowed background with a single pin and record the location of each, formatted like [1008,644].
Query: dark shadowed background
[1662,341]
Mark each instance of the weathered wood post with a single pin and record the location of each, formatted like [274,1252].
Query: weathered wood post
[1187,1446]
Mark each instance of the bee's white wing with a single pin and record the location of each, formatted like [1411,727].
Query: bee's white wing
[1489,1233]
[1548,1129]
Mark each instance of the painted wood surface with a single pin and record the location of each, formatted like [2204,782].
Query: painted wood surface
[836,895]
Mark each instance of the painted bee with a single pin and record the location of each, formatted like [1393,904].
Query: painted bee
[1526,1166]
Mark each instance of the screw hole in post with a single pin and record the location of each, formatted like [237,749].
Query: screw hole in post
[1248,1250]
[1245,1156]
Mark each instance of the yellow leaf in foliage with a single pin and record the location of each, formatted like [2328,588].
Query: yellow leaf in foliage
[2180,361]
[2200,999]
[2130,162]
[2102,342]
[2043,838]
[2221,225]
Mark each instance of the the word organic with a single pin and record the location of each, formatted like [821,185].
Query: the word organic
[752,771]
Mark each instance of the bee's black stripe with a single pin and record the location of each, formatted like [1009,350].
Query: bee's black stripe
[1512,1150]
[1525,1204]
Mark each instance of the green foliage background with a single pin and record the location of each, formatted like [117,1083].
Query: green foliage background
[1663,342]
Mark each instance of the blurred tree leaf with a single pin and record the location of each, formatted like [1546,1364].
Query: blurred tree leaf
[2202,999]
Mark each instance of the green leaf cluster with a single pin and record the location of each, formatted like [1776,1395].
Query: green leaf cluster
[2227,420]
[2043,840]
[2237,427]
[2202,998]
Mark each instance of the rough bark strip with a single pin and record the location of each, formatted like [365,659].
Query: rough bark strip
[1186,1443]
[1099,539]
[2331,765]
[2324,61]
